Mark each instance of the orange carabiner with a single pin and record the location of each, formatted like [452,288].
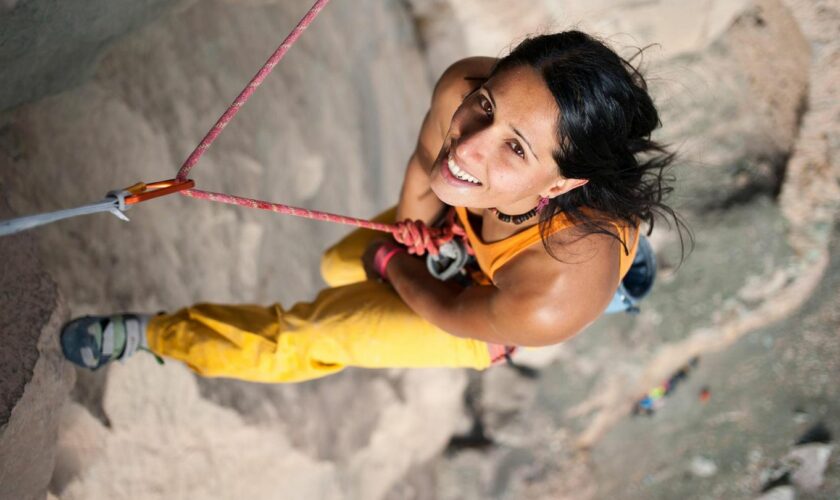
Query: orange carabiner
[142,191]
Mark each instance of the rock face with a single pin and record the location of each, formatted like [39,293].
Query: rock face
[34,380]
[732,115]
[316,134]
[331,128]
[747,93]
[735,116]
[49,46]
[757,181]
[452,29]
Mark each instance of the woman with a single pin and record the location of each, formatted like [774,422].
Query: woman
[537,152]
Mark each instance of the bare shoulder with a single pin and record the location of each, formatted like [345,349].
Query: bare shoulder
[458,80]
[561,295]
[458,74]
[576,254]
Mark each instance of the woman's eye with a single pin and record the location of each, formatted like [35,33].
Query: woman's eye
[485,105]
[517,148]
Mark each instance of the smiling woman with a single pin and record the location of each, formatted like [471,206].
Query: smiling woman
[554,129]
[488,143]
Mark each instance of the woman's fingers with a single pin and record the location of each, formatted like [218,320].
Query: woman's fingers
[419,238]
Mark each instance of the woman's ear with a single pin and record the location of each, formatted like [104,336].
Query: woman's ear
[563,185]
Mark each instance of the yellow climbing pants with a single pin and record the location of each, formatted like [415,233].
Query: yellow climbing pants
[356,322]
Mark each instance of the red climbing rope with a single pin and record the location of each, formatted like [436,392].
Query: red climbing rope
[416,236]
[249,89]
[419,238]
[288,210]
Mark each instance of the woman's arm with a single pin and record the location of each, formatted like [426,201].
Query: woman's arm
[417,201]
[537,300]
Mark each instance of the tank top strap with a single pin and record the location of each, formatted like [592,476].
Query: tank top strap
[492,256]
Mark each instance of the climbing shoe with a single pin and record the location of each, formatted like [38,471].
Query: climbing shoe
[93,341]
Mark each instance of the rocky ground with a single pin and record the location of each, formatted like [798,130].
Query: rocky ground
[747,96]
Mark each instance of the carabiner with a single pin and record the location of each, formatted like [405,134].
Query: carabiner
[142,191]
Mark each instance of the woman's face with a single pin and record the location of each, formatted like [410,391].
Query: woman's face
[498,150]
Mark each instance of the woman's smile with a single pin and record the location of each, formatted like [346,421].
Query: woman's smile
[454,174]
[491,151]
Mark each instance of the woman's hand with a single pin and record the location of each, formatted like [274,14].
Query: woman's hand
[416,236]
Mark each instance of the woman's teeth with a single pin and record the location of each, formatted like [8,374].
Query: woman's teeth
[457,172]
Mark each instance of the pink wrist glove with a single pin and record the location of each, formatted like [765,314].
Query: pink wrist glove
[383,256]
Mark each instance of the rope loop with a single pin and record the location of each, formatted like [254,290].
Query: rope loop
[420,239]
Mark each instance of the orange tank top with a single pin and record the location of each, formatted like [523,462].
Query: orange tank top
[492,256]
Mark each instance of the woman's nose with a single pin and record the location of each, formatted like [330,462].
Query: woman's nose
[472,146]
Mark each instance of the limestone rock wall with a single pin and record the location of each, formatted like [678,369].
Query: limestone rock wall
[34,379]
[331,129]
[749,109]
[47,46]
[746,93]
[451,29]
[732,116]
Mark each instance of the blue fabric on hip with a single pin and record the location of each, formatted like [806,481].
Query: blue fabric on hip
[638,281]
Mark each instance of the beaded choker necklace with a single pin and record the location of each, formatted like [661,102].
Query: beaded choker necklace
[516,219]
[519,219]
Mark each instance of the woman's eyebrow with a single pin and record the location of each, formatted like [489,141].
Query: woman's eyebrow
[515,131]
[526,141]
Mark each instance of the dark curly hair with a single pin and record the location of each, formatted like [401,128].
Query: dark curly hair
[605,124]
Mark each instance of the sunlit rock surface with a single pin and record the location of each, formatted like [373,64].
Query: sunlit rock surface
[747,96]
[34,379]
[755,124]
[332,128]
